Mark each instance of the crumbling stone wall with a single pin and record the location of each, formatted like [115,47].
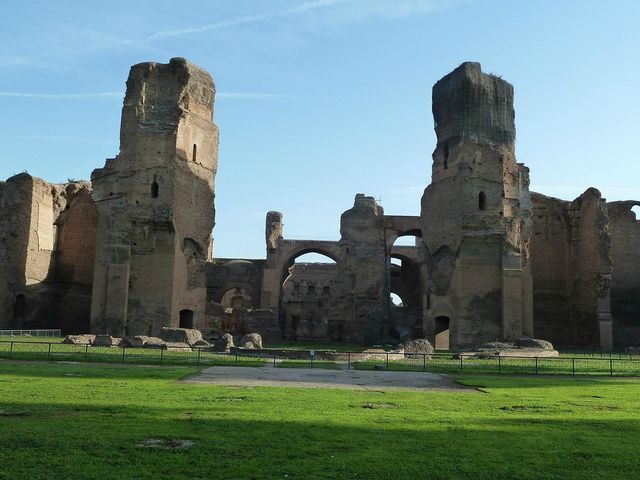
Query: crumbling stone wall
[360,305]
[47,234]
[156,204]
[624,229]
[476,213]
[571,267]
[305,300]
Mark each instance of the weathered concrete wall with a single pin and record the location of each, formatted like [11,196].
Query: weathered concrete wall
[47,235]
[155,203]
[476,213]
[571,267]
[624,228]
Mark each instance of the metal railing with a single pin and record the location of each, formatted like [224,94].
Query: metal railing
[53,332]
[626,365]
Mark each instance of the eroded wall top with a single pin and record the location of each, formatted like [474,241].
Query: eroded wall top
[468,104]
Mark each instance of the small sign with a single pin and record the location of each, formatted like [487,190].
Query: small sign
[312,353]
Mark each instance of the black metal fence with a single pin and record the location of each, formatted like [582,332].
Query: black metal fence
[585,364]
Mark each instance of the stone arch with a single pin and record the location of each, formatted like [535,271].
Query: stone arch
[303,304]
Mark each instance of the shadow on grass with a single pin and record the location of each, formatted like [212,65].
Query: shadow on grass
[61,370]
[73,440]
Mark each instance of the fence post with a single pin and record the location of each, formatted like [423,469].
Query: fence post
[349,361]
[573,365]
[461,356]
[424,362]
[536,365]
[611,366]
[161,355]
[499,365]
[387,365]
[86,352]
[236,359]
[49,352]
[198,360]
[123,350]
[11,350]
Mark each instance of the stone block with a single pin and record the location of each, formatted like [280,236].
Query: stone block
[251,340]
[79,339]
[106,341]
[180,335]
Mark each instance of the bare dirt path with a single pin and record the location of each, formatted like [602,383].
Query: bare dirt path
[320,378]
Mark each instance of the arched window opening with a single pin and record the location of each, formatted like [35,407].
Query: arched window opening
[396,301]
[195,152]
[186,318]
[636,211]
[154,189]
[482,201]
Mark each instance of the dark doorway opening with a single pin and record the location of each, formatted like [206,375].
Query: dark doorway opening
[482,201]
[186,318]
[19,307]
[442,333]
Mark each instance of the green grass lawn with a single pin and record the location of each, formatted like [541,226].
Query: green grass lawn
[65,420]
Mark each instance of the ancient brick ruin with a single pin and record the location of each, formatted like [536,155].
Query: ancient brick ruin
[131,252]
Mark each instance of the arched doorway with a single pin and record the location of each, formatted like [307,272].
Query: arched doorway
[442,333]
[235,302]
[305,293]
[19,309]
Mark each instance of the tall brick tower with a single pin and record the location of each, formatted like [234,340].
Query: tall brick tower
[476,216]
[155,203]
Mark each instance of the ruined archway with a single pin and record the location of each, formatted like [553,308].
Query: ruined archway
[235,303]
[306,289]
[405,280]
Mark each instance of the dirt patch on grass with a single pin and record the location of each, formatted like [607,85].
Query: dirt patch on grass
[14,413]
[375,406]
[231,399]
[166,444]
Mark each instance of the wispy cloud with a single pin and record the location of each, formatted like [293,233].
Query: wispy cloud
[314,4]
[210,26]
[62,96]
[64,138]
[252,95]
[338,11]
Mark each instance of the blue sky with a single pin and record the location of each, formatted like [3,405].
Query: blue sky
[321,99]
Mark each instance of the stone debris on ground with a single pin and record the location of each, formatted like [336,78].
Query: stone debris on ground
[252,341]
